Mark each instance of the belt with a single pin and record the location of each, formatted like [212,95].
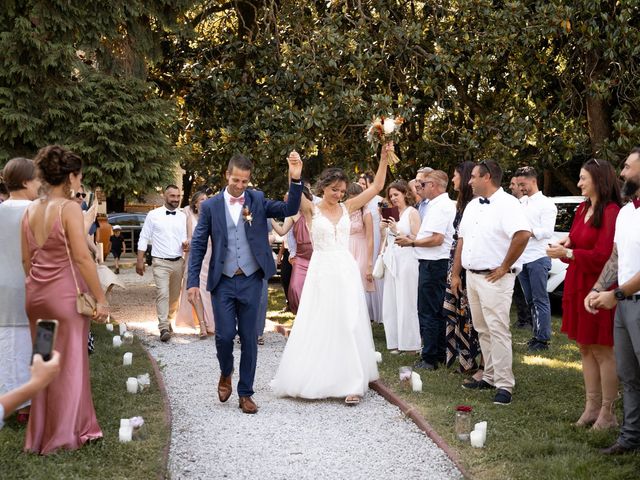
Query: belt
[238,272]
[635,298]
[488,271]
[169,259]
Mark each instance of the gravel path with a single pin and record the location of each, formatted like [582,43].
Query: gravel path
[287,438]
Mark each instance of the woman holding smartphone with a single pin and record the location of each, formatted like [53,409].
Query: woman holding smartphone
[400,297]
[54,255]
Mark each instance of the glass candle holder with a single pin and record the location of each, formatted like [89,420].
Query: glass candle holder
[463,422]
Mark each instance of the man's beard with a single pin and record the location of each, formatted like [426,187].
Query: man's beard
[630,187]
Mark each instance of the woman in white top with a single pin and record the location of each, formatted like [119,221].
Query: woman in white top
[374,298]
[15,339]
[400,298]
[330,352]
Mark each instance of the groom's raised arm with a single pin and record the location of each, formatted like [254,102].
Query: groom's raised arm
[279,209]
[198,247]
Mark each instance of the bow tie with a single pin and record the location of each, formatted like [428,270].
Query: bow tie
[484,200]
[170,212]
[239,200]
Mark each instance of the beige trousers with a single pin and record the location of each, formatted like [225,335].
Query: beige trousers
[168,278]
[490,305]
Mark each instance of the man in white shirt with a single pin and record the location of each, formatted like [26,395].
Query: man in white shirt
[166,228]
[432,247]
[492,235]
[420,179]
[623,268]
[541,213]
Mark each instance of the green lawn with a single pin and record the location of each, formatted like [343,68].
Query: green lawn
[107,458]
[530,439]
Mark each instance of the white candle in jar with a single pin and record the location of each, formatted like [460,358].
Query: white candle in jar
[125,433]
[378,357]
[127,338]
[117,341]
[123,328]
[482,428]
[132,385]
[125,422]
[476,439]
[127,358]
[416,382]
[110,327]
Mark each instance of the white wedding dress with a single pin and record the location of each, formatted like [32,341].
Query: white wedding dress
[330,351]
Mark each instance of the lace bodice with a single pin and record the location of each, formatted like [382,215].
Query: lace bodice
[327,236]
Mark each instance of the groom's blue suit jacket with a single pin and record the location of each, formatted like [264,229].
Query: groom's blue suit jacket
[212,223]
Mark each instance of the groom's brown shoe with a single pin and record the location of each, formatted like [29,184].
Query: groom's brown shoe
[248,405]
[224,388]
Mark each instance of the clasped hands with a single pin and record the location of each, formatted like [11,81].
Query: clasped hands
[599,301]
[295,165]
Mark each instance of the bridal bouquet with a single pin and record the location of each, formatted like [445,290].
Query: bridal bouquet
[382,130]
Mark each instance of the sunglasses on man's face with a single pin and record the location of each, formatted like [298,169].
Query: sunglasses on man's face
[81,195]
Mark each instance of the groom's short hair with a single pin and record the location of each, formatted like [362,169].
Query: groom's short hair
[240,162]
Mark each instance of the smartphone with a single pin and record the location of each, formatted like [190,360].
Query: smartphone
[44,344]
[90,201]
[391,212]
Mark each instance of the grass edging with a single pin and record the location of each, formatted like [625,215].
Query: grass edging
[168,417]
[414,414]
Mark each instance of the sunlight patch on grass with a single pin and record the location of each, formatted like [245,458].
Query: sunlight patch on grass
[550,362]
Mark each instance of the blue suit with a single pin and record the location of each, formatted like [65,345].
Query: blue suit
[238,297]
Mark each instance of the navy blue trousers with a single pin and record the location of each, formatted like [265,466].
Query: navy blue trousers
[236,301]
[432,283]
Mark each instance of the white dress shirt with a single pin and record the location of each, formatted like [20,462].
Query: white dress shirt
[541,214]
[439,214]
[627,240]
[487,230]
[235,209]
[166,233]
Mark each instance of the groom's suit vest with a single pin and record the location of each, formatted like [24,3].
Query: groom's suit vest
[239,253]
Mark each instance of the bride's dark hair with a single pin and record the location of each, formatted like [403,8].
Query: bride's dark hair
[328,177]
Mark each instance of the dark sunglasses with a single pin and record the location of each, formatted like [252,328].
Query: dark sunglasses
[80,194]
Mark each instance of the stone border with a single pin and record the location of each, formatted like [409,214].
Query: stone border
[408,410]
[414,414]
[164,472]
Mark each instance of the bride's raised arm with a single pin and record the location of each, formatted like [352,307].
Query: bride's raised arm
[376,186]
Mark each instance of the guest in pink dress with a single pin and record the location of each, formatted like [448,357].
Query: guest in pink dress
[202,312]
[62,415]
[361,239]
[304,250]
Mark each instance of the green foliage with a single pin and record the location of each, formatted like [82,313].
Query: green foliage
[538,82]
[74,73]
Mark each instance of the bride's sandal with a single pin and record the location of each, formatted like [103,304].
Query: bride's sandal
[352,400]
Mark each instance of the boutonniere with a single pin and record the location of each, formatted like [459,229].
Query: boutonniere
[246,214]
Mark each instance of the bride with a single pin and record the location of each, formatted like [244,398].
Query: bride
[330,351]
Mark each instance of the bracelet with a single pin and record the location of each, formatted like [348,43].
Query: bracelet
[295,180]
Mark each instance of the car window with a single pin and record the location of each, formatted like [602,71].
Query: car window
[564,219]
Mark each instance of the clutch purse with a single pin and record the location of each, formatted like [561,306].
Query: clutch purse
[85,304]
[378,268]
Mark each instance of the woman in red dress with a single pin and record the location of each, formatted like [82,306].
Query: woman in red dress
[586,250]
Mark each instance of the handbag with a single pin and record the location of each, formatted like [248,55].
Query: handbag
[378,268]
[86,304]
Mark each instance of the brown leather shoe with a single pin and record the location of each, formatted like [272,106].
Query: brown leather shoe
[617,449]
[224,388]
[248,405]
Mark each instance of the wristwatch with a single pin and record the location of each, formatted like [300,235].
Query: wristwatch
[569,254]
[619,294]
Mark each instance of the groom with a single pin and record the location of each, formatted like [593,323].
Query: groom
[236,222]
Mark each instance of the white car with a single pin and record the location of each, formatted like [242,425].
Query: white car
[566,211]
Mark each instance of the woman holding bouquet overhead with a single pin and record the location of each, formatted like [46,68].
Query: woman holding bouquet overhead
[330,351]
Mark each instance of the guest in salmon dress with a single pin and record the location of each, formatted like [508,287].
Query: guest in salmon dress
[586,250]
[201,313]
[304,250]
[62,415]
[361,239]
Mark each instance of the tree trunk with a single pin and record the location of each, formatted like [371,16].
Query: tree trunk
[597,112]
